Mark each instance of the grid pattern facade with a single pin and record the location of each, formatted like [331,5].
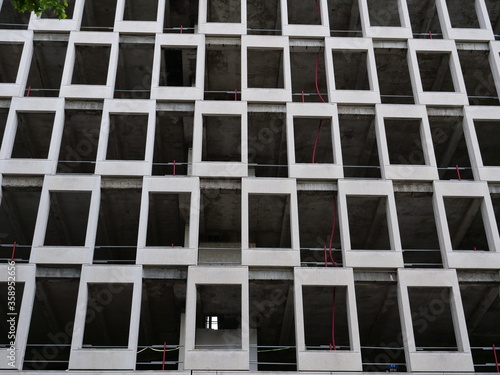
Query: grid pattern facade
[284,185]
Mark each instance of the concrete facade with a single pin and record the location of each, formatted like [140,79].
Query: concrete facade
[203,186]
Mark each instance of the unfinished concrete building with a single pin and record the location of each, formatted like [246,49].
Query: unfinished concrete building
[250,185]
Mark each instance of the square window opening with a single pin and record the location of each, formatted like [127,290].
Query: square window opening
[269,220]
[10,18]
[221,138]
[424,19]
[127,137]
[91,64]
[70,9]
[465,223]
[344,18]
[265,68]
[180,13]
[404,141]
[368,222]
[110,305]
[478,77]
[221,301]
[493,7]
[222,72]
[33,135]
[68,218]
[168,220]
[326,323]
[313,140]
[435,71]
[178,66]
[351,70]
[432,318]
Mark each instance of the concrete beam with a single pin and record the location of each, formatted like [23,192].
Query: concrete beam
[51,37]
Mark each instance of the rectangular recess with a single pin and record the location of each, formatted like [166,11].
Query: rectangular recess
[424,19]
[264,17]
[324,306]
[221,138]
[465,223]
[303,12]
[46,68]
[463,14]
[109,309]
[179,13]
[49,14]
[450,147]
[68,218]
[91,64]
[10,18]
[267,149]
[99,15]
[488,137]
[431,314]
[220,227]
[19,203]
[168,219]
[223,11]
[478,77]
[351,70]
[417,228]
[127,136]
[435,71]
[394,76]
[269,220]
[223,72]
[80,139]
[222,301]
[33,135]
[135,63]
[344,17]
[303,74]
[316,218]
[178,66]
[10,59]
[384,13]
[379,330]
[117,228]
[4,309]
[359,146]
[368,223]
[50,339]
[313,140]
[160,322]
[272,317]
[404,141]
[265,68]
[146,10]
[173,141]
